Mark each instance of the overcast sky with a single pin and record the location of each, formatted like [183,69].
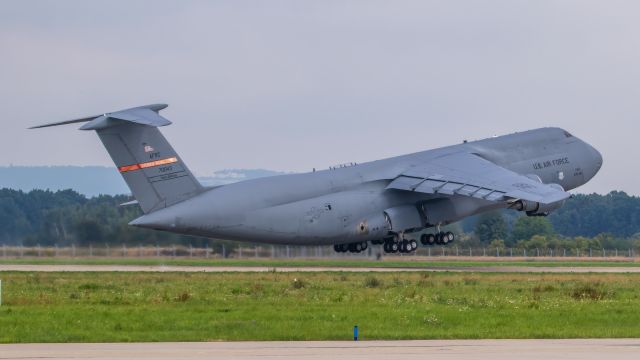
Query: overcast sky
[292,85]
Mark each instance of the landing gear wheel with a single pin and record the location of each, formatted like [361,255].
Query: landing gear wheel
[394,247]
[439,238]
[364,246]
[423,239]
[450,236]
[431,239]
[445,238]
[413,244]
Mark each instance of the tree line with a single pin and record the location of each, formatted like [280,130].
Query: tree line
[67,217]
[608,221]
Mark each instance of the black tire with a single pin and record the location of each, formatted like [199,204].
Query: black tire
[451,236]
[423,239]
[365,245]
[439,239]
[394,247]
[431,239]
[414,245]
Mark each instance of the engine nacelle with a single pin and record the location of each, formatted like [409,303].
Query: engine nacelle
[545,209]
[533,208]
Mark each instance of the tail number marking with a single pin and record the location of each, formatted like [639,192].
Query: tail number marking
[149,164]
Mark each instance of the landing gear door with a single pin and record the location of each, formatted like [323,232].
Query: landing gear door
[405,217]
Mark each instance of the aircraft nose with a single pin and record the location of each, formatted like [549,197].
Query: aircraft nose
[598,157]
[595,162]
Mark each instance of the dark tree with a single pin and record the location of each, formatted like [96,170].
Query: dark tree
[491,226]
[526,227]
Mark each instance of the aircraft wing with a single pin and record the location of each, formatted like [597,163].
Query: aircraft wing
[470,175]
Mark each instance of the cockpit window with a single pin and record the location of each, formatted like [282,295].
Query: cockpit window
[567,134]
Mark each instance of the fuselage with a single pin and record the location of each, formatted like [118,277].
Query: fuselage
[334,206]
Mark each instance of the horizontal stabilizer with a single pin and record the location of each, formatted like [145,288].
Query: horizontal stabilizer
[65,122]
[152,169]
[144,115]
[130,203]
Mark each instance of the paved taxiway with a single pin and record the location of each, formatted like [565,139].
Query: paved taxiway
[145,268]
[370,350]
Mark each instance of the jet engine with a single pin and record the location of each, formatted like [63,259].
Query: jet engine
[533,208]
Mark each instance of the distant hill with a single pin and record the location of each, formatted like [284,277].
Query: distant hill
[96,180]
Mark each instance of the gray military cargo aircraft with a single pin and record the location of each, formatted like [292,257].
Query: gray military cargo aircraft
[382,202]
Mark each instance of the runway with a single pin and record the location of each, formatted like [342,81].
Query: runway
[217,269]
[371,350]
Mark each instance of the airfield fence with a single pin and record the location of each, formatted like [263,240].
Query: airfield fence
[287,252]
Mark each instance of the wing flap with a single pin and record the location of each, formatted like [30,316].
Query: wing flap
[406,183]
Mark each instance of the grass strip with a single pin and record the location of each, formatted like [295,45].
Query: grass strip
[390,262]
[127,307]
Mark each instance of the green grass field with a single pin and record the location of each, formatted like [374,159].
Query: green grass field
[391,262]
[107,307]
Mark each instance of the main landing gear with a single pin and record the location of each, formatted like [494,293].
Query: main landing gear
[398,244]
[404,246]
[439,238]
[352,248]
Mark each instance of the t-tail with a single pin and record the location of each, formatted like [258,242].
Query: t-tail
[151,168]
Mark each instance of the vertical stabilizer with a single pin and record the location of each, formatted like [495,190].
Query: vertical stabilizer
[151,168]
